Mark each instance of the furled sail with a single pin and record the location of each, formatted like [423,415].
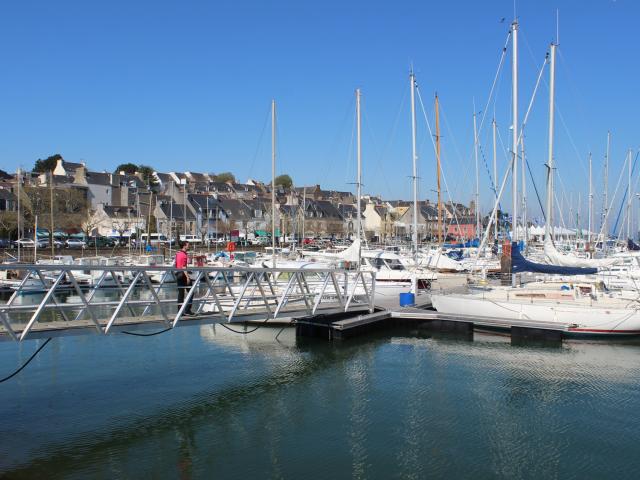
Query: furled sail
[554,257]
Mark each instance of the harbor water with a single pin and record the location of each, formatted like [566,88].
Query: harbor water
[205,402]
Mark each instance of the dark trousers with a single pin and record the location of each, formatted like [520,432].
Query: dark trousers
[183,286]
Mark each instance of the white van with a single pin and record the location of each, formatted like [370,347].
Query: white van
[193,239]
[155,239]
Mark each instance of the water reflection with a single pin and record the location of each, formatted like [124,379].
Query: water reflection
[205,402]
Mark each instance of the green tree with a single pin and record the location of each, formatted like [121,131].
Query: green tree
[129,168]
[147,175]
[225,177]
[284,181]
[47,164]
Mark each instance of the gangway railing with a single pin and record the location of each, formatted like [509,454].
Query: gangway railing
[46,300]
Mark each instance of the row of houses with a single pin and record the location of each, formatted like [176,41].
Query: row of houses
[121,204]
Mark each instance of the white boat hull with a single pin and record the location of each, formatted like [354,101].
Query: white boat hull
[578,319]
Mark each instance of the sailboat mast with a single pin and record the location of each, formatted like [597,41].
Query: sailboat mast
[524,191]
[359,173]
[273,182]
[629,196]
[550,166]
[171,238]
[590,200]
[514,145]
[605,209]
[304,211]
[495,174]
[51,213]
[475,153]
[35,240]
[414,156]
[438,166]
[18,217]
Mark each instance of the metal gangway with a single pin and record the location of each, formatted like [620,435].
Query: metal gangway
[42,301]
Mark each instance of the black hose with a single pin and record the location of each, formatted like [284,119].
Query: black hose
[262,324]
[27,362]
[148,334]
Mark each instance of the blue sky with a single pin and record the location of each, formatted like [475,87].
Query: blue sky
[187,86]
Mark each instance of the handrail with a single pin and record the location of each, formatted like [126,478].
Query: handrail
[218,294]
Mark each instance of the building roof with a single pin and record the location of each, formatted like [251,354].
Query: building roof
[128,180]
[348,210]
[163,178]
[198,177]
[71,167]
[179,175]
[178,211]
[98,178]
[243,187]
[204,202]
[235,209]
[289,210]
[323,209]
[62,179]
[428,210]
[220,187]
[381,210]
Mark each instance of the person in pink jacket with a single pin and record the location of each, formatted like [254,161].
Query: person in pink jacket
[182,277]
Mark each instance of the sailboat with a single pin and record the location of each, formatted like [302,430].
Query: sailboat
[576,307]
[393,275]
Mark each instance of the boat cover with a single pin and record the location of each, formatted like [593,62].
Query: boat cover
[519,264]
[631,245]
[469,244]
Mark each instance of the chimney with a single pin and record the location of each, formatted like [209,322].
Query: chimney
[81,175]
[59,170]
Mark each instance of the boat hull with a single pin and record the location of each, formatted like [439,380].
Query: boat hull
[574,320]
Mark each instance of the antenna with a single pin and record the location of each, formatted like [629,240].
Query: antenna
[557,26]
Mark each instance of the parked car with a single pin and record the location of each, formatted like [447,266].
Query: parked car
[76,242]
[29,243]
[101,242]
[5,243]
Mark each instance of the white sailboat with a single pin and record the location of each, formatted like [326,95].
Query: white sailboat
[393,275]
[577,308]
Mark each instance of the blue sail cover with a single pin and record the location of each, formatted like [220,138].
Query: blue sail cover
[519,264]
[631,245]
[469,244]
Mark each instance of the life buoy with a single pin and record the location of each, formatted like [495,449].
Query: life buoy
[231,246]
